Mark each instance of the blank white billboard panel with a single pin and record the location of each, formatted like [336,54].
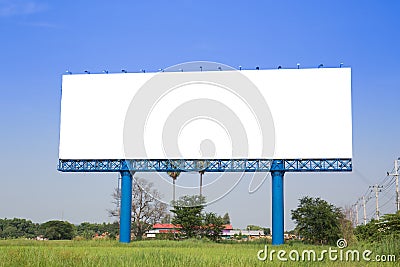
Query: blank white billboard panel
[271,114]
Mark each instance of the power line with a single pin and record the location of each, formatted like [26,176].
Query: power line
[366,192]
[384,190]
[387,202]
[389,183]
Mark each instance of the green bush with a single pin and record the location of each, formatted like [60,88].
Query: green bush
[57,230]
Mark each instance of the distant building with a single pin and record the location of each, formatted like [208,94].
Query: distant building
[227,229]
[165,228]
[288,236]
[227,232]
[162,228]
[246,234]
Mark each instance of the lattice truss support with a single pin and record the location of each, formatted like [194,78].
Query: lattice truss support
[232,165]
[277,167]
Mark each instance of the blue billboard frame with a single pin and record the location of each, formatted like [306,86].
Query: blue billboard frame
[277,167]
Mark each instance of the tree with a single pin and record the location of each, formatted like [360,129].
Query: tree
[226,218]
[387,227]
[57,230]
[15,228]
[166,218]
[147,209]
[369,232]
[390,224]
[10,231]
[317,220]
[188,214]
[213,226]
[86,230]
[89,230]
[254,227]
[174,176]
[347,229]
[267,231]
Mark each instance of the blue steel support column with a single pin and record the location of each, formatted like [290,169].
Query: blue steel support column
[126,208]
[277,207]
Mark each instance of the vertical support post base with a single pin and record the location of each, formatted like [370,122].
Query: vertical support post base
[277,208]
[126,207]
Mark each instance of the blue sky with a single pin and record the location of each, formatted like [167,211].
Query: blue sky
[40,40]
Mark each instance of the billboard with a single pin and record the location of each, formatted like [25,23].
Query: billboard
[247,114]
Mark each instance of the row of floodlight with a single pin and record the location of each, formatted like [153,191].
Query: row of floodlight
[201,69]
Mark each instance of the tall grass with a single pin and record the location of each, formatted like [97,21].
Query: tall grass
[157,253]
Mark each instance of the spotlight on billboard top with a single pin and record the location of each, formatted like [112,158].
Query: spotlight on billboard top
[247,114]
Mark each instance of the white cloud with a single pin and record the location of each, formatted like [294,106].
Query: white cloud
[19,7]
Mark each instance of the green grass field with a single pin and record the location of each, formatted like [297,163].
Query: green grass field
[164,253]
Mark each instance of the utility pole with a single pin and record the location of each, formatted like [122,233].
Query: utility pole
[396,176]
[377,189]
[356,213]
[201,182]
[365,211]
[119,197]
[351,215]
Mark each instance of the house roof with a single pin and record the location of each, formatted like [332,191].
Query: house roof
[171,226]
[228,227]
[165,226]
